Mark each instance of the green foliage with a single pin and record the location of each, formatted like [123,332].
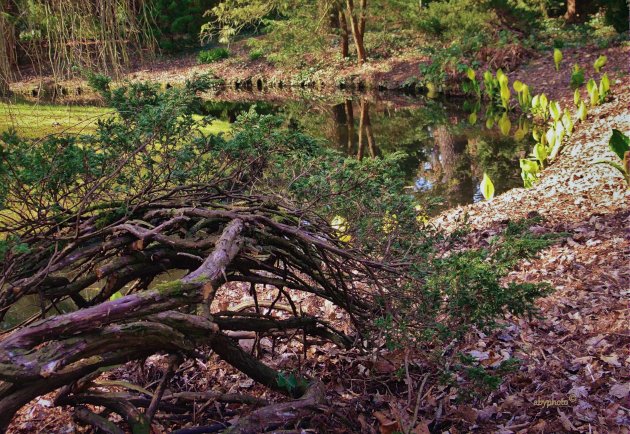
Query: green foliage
[177,24]
[530,171]
[523,95]
[458,20]
[292,383]
[600,63]
[212,55]
[12,246]
[557,58]
[619,143]
[471,86]
[470,281]
[616,14]
[255,54]
[577,77]
[487,187]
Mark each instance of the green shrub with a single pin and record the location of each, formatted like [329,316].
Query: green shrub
[458,20]
[255,55]
[577,76]
[213,55]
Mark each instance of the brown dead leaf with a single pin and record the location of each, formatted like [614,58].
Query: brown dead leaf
[386,426]
[421,428]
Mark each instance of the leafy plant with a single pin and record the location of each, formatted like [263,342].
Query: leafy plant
[577,97]
[523,95]
[600,63]
[505,125]
[577,77]
[557,58]
[504,89]
[213,55]
[619,143]
[491,86]
[582,112]
[593,92]
[473,85]
[530,171]
[540,106]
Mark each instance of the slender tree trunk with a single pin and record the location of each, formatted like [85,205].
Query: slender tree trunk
[345,37]
[7,49]
[358,28]
[571,14]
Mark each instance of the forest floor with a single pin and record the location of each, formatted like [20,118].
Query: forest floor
[574,371]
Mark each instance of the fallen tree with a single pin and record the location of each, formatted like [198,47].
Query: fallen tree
[105,234]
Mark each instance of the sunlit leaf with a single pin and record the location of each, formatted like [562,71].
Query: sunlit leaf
[619,143]
[577,97]
[599,63]
[487,187]
[582,111]
[540,153]
[518,86]
[557,58]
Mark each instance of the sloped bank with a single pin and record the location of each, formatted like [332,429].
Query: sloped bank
[573,374]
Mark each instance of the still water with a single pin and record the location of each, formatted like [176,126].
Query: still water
[448,147]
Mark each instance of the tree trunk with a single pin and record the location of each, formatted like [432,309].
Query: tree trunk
[571,14]
[358,28]
[7,50]
[345,41]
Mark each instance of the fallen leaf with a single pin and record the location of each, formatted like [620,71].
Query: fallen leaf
[620,390]
[613,359]
[387,426]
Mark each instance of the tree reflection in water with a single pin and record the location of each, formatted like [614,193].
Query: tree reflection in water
[446,155]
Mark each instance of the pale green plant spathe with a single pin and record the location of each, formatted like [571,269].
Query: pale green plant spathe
[539,107]
[523,95]
[487,187]
[504,89]
[577,97]
[505,125]
[555,110]
[540,153]
[557,58]
[593,92]
[599,63]
[473,85]
[582,112]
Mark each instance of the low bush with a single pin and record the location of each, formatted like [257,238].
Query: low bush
[213,55]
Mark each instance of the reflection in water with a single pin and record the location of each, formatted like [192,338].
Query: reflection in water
[447,153]
[448,149]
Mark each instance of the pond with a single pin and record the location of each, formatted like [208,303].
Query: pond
[448,149]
